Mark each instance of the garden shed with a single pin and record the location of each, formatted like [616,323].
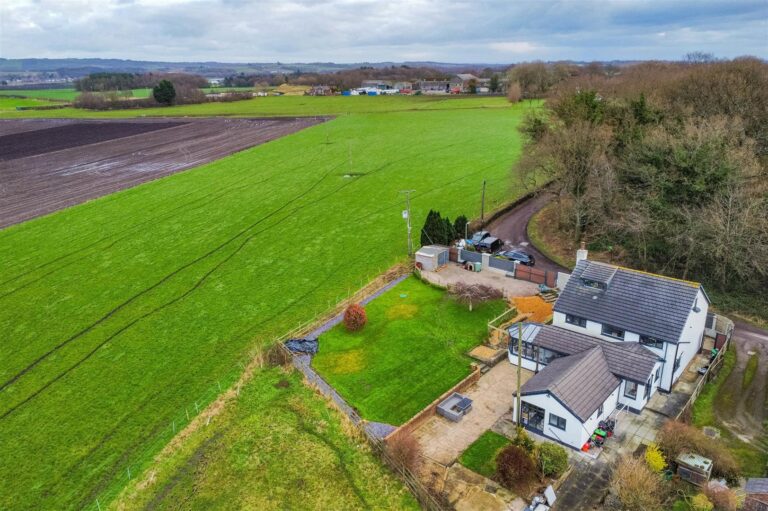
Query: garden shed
[431,257]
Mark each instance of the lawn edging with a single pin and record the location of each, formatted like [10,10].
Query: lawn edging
[420,418]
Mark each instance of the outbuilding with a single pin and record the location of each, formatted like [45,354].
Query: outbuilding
[431,257]
[757,494]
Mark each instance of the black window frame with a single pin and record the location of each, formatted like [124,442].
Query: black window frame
[604,326]
[557,421]
[658,373]
[627,383]
[600,410]
[572,319]
[651,342]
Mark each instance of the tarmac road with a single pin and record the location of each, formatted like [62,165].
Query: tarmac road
[512,228]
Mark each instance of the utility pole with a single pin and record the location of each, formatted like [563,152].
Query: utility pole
[482,204]
[519,371]
[407,215]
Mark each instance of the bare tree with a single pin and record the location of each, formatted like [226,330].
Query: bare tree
[471,294]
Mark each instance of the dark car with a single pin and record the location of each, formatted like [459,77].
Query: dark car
[478,237]
[489,244]
[519,256]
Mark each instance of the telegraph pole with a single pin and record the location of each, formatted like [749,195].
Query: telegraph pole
[482,204]
[519,371]
[407,215]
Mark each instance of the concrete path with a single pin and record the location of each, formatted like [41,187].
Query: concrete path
[443,441]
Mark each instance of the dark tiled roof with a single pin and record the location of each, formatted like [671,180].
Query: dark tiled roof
[639,302]
[602,273]
[628,360]
[757,485]
[581,382]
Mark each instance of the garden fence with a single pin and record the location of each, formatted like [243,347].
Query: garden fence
[139,460]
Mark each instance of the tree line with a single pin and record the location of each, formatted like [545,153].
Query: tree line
[665,163]
[104,82]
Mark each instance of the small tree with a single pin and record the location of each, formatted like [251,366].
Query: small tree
[430,233]
[494,83]
[514,93]
[471,294]
[405,451]
[164,92]
[637,487]
[514,467]
[553,460]
[460,226]
[654,458]
[355,317]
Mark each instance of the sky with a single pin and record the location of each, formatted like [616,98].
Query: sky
[346,31]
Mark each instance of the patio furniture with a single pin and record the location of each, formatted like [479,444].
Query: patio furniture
[454,407]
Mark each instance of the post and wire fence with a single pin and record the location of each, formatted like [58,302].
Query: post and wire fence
[138,461]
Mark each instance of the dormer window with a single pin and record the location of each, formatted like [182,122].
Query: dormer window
[593,284]
[612,331]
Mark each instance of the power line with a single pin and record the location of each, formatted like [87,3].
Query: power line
[407,214]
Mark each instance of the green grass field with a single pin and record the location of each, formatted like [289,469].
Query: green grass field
[8,105]
[303,457]
[121,312]
[716,394]
[296,105]
[61,94]
[480,457]
[412,350]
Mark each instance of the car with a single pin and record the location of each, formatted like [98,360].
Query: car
[519,256]
[478,237]
[489,245]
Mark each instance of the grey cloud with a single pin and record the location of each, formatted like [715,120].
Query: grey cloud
[373,30]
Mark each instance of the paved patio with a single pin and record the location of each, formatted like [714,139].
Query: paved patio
[454,273]
[443,441]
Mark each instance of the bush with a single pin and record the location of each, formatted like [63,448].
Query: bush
[404,450]
[700,502]
[164,92]
[675,438]
[553,459]
[514,467]
[654,458]
[514,93]
[637,487]
[524,441]
[355,318]
[723,498]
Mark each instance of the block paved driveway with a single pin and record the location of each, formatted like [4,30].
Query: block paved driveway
[443,441]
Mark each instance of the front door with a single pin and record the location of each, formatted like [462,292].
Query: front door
[532,417]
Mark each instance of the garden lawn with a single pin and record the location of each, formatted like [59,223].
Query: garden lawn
[412,350]
[121,314]
[480,457]
[306,456]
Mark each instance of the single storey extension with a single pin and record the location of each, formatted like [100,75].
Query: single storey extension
[579,381]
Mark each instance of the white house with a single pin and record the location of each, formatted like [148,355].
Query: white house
[666,315]
[618,336]
[579,381]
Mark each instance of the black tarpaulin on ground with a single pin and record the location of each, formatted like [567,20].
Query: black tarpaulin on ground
[302,345]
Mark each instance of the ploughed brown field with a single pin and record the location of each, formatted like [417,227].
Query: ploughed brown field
[50,164]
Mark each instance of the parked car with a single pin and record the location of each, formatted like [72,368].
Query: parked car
[478,237]
[519,256]
[489,244]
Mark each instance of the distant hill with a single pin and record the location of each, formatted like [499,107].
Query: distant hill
[75,68]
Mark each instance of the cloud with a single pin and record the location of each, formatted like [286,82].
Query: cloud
[492,31]
[514,47]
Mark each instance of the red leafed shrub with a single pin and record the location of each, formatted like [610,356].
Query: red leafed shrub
[354,317]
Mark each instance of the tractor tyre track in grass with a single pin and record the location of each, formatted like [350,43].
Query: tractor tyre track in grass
[164,215]
[199,283]
[125,234]
[110,313]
